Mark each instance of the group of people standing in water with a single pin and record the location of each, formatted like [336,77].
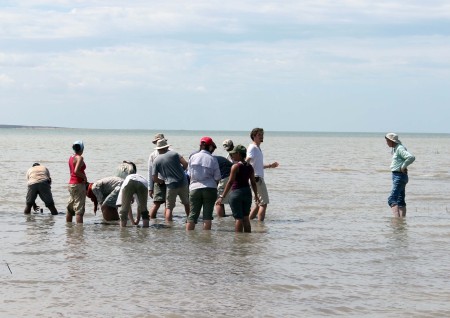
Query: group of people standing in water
[204,183]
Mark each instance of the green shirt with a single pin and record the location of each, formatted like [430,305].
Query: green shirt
[401,158]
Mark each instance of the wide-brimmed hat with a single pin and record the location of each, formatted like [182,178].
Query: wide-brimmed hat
[393,137]
[157,137]
[227,144]
[239,149]
[162,143]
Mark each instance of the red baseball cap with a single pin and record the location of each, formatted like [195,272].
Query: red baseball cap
[207,140]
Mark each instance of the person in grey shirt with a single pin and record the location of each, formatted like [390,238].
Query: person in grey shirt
[170,166]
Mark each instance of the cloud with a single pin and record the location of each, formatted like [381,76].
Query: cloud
[5,80]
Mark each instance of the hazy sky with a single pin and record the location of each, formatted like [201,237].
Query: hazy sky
[293,65]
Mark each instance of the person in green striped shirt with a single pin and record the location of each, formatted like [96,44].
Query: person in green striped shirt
[401,159]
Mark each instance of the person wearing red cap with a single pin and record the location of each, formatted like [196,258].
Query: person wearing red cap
[204,173]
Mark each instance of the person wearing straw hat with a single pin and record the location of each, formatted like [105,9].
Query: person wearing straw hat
[401,159]
[168,169]
[156,191]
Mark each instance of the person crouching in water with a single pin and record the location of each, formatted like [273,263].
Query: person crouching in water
[105,192]
[401,159]
[238,183]
[134,186]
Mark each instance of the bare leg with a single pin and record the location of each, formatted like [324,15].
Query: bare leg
[247,225]
[187,209]
[262,212]
[238,225]
[395,211]
[402,211]
[190,226]
[220,210]
[79,218]
[207,225]
[168,215]
[254,211]
[69,217]
[155,209]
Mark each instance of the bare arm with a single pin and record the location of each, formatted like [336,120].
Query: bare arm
[183,162]
[233,172]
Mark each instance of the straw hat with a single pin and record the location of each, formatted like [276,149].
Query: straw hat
[162,143]
[393,137]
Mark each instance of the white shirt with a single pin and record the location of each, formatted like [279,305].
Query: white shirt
[256,159]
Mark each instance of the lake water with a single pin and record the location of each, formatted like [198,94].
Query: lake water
[328,246]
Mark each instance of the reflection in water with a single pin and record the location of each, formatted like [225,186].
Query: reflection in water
[399,228]
[75,253]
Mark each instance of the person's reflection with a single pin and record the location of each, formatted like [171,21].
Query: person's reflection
[75,252]
[399,228]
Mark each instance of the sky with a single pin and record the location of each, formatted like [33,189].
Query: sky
[310,65]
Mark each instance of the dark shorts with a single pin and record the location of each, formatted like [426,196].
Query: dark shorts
[43,189]
[202,198]
[241,202]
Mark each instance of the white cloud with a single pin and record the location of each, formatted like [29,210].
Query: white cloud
[5,80]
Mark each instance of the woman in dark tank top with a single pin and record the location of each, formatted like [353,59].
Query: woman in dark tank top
[242,176]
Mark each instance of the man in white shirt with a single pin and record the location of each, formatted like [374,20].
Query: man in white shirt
[204,173]
[256,159]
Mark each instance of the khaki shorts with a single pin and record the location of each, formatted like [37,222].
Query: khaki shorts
[159,192]
[182,192]
[221,188]
[262,191]
[77,199]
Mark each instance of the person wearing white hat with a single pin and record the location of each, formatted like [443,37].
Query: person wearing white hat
[168,169]
[77,184]
[401,159]
[156,191]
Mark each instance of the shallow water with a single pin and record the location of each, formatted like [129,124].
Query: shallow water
[328,245]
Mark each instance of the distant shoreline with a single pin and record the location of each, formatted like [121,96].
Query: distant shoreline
[22,126]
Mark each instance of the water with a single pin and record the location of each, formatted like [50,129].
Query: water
[328,246]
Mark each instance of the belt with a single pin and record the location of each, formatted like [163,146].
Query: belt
[399,172]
